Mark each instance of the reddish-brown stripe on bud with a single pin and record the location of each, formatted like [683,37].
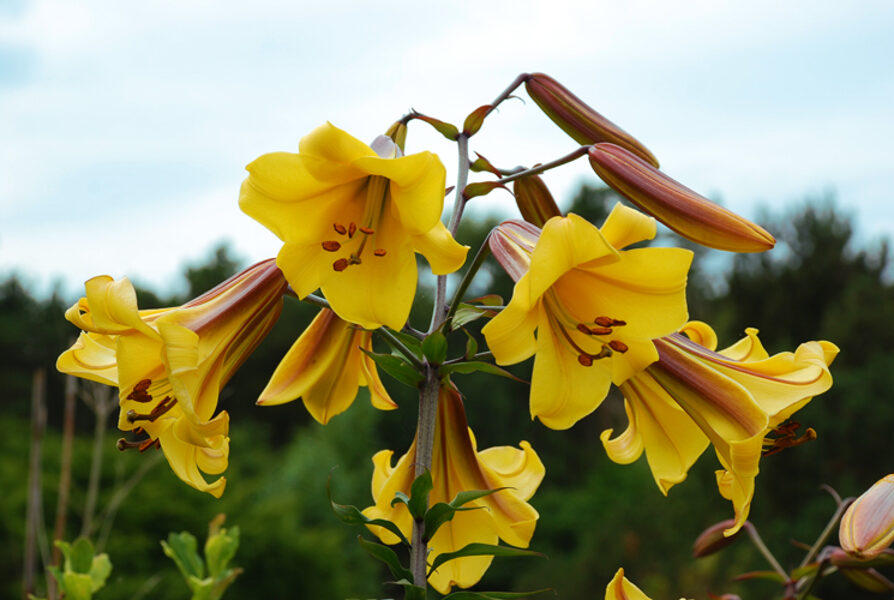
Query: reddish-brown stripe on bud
[577,119]
[512,243]
[867,527]
[536,204]
[682,210]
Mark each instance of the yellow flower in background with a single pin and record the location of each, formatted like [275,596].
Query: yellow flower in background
[621,588]
[325,367]
[595,308]
[170,364]
[867,527]
[458,466]
[352,218]
[733,399]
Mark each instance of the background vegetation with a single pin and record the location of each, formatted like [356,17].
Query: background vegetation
[820,283]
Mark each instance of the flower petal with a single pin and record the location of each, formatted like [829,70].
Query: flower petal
[625,226]
[443,253]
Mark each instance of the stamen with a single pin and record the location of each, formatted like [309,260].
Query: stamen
[367,230]
[787,438]
[584,329]
[355,260]
[600,331]
[339,229]
[340,265]
[331,246]
[379,252]
[585,359]
[608,322]
[160,409]
[139,393]
[618,346]
[147,444]
[352,229]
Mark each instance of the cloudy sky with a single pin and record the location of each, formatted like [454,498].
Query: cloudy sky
[125,126]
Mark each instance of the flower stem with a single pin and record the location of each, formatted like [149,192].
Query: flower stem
[505,94]
[571,156]
[397,343]
[425,437]
[827,531]
[762,548]
[482,254]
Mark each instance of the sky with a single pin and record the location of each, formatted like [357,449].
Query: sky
[125,126]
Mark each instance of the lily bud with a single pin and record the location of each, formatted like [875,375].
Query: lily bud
[867,527]
[712,540]
[398,134]
[536,204]
[577,119]
[681,209]
[512,243]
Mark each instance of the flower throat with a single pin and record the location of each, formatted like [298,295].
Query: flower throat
[358,236]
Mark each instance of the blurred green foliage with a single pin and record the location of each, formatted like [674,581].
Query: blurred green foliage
[820,283]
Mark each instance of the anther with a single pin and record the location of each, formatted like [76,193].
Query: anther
[160,409]
[331,246]
[608,322]
[122,444]
[352,229]
[584,329]
[339,229]
[618,346]
[340,265]
[367,230]
[139,393]
[600,331]
[585,359]
[379,252]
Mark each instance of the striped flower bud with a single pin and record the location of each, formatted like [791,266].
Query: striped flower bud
[712,540]
[867,527]
[536,204]
[577,119]
[682,210]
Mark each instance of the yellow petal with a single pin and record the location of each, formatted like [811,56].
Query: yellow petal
[474,526]
[91,357]
[627,447]
[369,376]
[620,588]
[443,253]
[333,145]
[510,335]
[625,226]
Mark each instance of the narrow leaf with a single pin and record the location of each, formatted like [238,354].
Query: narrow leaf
[769,575]
[397,367]
[448,130]
[434,347]
[476,549]
[352,515]
[470,366]
[475,119]
[466,313]
[488,300]
[467,595]
[400,497]
[413,343]
[481,164]
[419,491]
[387,556]
[471,345]
[411,591]
[481,188]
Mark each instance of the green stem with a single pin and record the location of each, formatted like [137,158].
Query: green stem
[470,273]
[478,356]
[505,94]
[395,341]
[425,437]
[762,548]
[827,531]
[313,299]
[571,156]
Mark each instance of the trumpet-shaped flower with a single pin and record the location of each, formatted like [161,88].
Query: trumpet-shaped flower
[693,396]
[170,364]
[595,307]
[458,466]
[867,527]
[621,588]
[325,367]
[352,220]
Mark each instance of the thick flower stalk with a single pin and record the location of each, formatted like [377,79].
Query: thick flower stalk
[733,399]
[867,527]
[325,368]
[171,363]
[352,218]
[595,307]
[458,466]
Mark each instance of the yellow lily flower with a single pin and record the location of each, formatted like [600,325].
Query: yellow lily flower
[170,364]
[867,527]
[352,217]
[732,399]
[458,466]
[621,588]
[595,308]
[325,367]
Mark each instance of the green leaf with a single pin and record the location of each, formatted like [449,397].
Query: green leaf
[434,347]
[353,516]
[100,569]
[419,491]
[476,549]
[220,548]
[466,595]
[488,300]
[471,345]
[481,188]
[397,367]
[470,366]
[181,548]
[465,314]
[769,575]
[481,164]
[868,579]
[413,343]
[77,586]
[400,497]
[443,512]
[81,555]
[411,591]
[446,129]
[475,120]
[387,556]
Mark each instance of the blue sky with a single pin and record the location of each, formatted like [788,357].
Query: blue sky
[125,127]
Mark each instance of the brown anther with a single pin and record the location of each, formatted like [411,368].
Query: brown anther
[367,230]
[788,438]
[138,430]
[601,331]
[339,229]
[123,444]
[608,322]
[139,393]
[585,359]
[379,252]
[352,229]
[341,264]
[584,329]
[160,409]
[618,346]
[331,246]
